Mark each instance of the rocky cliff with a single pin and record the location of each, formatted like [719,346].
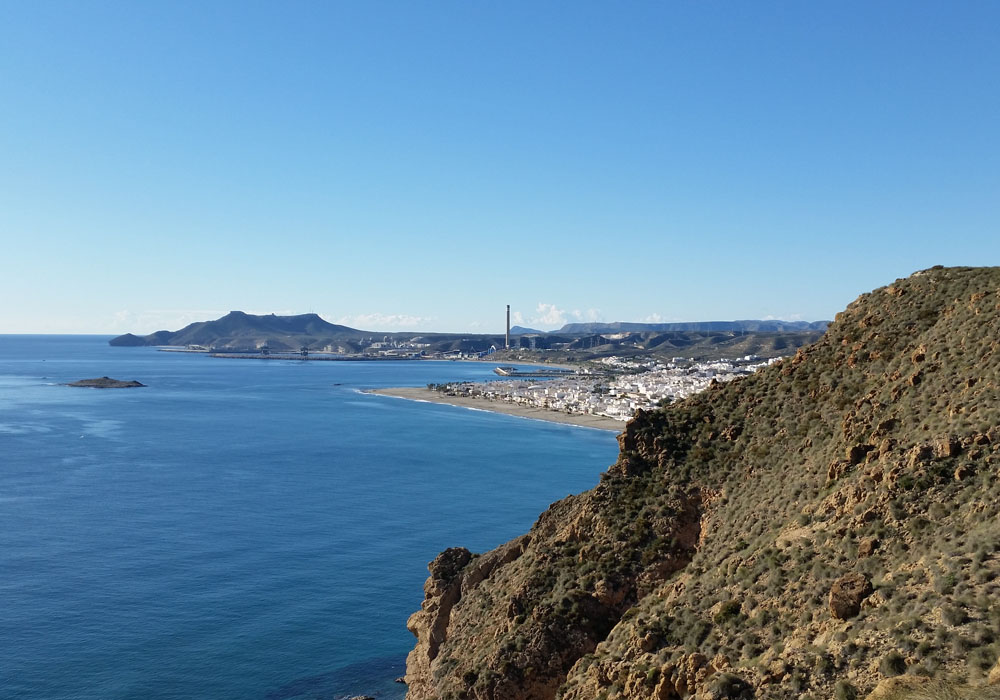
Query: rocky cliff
[806,532]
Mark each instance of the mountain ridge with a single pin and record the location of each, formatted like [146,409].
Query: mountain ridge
[240,331]
[769,326]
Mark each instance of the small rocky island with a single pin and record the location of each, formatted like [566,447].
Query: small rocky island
[105,383]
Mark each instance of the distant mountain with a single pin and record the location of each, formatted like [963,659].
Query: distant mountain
[697,326]
[239,330]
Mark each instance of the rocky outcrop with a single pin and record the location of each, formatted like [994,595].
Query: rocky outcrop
[802,532]
[441,591]
[534,606]
[105,383]
[454,573]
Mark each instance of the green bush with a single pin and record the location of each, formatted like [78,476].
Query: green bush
[892,664]
[730,610]
[845,691]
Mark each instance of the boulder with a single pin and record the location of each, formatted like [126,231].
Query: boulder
[847,594]
[868,546]
[948,446]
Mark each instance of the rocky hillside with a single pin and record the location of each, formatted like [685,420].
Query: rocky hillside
[807,532]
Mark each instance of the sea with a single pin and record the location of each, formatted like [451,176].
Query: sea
[243,528]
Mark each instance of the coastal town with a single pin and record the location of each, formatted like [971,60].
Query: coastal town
[612,387]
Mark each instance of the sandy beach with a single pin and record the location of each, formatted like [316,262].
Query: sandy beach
[425,394]
[517,363]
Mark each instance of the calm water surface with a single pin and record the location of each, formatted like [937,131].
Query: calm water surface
[240,528]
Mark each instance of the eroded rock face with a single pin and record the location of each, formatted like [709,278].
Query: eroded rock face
[430,624]
[847,594]
[511,623]
[684,677]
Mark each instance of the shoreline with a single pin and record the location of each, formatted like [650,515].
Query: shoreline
[336,357]
[419,393]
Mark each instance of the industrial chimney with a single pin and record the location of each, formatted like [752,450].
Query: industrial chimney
[506,341]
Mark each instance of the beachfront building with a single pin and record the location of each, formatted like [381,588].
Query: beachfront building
[617,397]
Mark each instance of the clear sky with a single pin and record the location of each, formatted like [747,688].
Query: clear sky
[395,165]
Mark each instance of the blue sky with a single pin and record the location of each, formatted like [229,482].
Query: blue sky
[418,165]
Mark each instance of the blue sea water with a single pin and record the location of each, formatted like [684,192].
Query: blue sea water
[242,528]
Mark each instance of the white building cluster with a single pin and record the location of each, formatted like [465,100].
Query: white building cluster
[627,386]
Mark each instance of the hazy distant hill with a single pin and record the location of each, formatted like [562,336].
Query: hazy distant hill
[239,330]
[693,326]
[700,345]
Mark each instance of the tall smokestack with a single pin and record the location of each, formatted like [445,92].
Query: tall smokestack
[506,340]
